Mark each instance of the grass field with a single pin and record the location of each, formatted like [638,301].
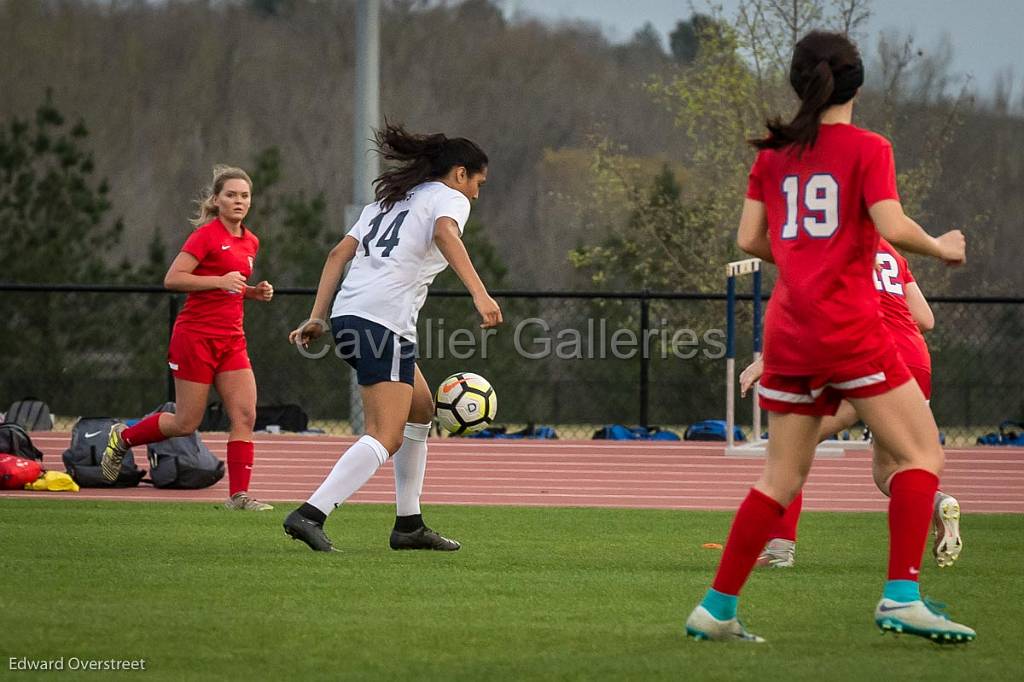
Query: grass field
[535,593]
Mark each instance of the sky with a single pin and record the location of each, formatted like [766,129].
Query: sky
[986,35]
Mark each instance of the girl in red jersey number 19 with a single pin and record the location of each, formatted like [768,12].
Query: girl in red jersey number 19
[208,342]
[820,192]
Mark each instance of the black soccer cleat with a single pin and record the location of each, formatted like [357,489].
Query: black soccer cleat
[298,527]
[422,538]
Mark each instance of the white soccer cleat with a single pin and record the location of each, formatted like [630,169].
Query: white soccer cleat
[948,544]
[921,618]
[702,625]
[778,553]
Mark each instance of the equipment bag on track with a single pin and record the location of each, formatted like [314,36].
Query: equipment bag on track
[17,472]
[31,414]
[530,432]
[14,440]
[82,459]
[620,432]
[182,462]
[287,417]
[712,430]
[1008,435]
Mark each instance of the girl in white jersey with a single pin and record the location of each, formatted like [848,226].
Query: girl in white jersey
[396,248]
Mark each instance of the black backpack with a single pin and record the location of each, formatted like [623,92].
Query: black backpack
[287,417]
[82,460]
[183,462]
[14,440]
[31,414]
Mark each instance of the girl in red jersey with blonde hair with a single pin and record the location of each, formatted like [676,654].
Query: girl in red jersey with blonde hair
[208,342]
[820,192]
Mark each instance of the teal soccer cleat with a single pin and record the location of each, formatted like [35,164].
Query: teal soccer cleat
[922,618]
[701,625]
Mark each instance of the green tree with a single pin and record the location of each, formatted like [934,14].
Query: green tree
[663,246]
[82,352]
[486,259]
[54,216]
[292,227]
[684,40]
[737,79]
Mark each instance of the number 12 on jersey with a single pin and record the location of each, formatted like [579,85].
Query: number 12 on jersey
[388,240]
[820,196]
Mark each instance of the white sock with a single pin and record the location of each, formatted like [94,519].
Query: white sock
[410,467]
[354,468]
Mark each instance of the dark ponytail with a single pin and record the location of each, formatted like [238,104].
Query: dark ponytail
[826,70]
[420,158]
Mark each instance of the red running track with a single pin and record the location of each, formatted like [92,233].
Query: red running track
[575,473]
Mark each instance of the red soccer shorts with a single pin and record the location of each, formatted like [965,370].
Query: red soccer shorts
[193,357]
[923,377]
[820,394]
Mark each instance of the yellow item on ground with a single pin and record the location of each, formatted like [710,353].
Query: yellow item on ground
[54,481]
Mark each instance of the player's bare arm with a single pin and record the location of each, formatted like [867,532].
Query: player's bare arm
[446,236]
[179,277]
[750,375]
[338,258]
[753,232]
[264,291]
[901,231]
[919,308]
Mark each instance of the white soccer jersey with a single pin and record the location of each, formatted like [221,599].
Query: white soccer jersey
[397,259]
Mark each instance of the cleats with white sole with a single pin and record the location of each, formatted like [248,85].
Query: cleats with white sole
[778,553]
[242,501]
[701,625]
[946,519]
[922,618]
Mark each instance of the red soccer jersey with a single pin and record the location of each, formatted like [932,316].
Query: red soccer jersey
[217,312]
[892,275]
[824,310]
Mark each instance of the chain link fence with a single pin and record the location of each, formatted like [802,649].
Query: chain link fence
[574,361]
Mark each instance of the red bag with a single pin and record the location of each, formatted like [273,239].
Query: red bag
[15,472]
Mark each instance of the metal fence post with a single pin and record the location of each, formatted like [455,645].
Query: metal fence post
[172,315]
[645,361]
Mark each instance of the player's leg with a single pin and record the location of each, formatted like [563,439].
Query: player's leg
[844,418]
[385,369]
[190,403]
[904,427]
[791,442]
[193,362]
[947,544]
[780,552]
[237,388]
[385,409]
[410,462]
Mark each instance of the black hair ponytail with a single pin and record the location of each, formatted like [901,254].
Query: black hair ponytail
[420,158]
[826,70]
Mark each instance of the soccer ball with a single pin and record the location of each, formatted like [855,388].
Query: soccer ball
[466,403]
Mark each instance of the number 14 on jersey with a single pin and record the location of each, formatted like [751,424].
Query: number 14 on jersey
[389,240]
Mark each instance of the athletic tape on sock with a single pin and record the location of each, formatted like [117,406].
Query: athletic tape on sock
[378,449]
[417,431]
